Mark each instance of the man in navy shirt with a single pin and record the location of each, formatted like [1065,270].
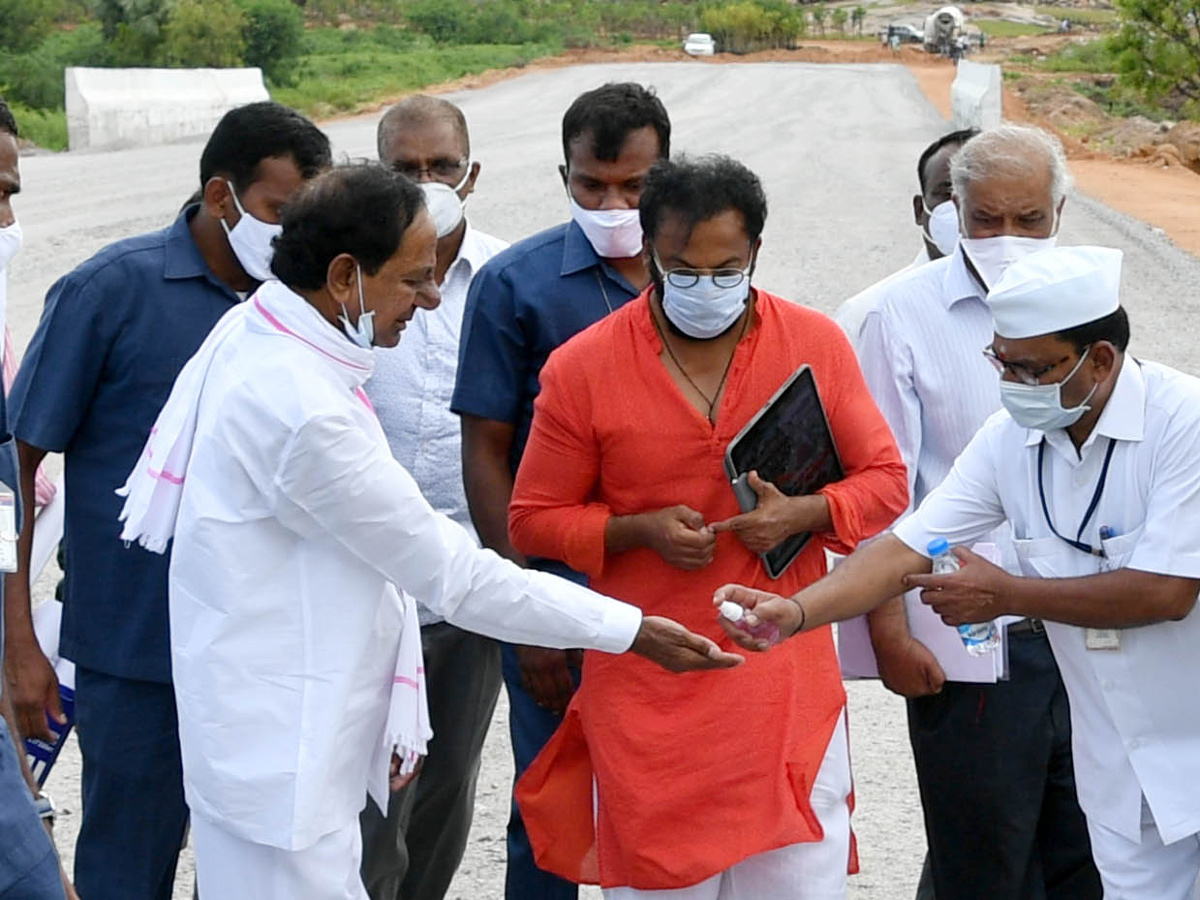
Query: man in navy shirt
[522,304]
[29,867]
[113,337]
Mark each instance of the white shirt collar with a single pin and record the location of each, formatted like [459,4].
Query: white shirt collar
[472,253]
[1123,417]
[958,283]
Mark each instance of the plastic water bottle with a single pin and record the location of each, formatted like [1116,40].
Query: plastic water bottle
[761,630]
[980,638]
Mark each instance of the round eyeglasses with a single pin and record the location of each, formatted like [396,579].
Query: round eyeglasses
[686,278]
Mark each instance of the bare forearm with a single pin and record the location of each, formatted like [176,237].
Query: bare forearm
[1125,598]
[810,513]
[865,579]
[6,712]
[888,621]
[623,533]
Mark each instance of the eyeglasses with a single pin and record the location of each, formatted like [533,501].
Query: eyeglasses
[1023,374]
[686,278]
[438,168]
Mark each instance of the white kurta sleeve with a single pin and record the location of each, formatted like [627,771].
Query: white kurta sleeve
[964,508]
[335,480]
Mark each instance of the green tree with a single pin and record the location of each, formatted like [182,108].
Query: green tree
[204,33]
[858,16]
[24,23]
[819,16]
[133,28]
[840,18]
[273,33]
[1158,47]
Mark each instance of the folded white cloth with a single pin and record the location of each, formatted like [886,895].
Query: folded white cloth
[408,731]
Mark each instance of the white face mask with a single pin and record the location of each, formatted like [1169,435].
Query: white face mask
[1040,405]
[704,310]
[363,334]
[251,241]
[941,228]
[613,233]
[444,204]
[10,245]
[993,255]
[11,238]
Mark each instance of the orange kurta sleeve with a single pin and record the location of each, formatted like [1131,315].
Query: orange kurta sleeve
[875,490]
[551,514]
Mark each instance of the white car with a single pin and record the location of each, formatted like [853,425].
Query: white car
[699,44]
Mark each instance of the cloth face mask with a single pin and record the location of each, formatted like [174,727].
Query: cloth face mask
[11,238]
[941,229]
[993,255]
[251,240]
[363,334]
[444,204]
[613,233]
[704,310]
[1040,405]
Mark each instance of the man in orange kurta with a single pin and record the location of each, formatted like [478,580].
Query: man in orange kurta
[733,784]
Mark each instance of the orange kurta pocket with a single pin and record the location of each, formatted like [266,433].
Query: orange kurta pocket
[556,797]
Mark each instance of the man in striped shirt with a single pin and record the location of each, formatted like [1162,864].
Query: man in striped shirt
[993,760]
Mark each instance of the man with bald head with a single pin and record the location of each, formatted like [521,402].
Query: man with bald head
[414,850]
[993,760]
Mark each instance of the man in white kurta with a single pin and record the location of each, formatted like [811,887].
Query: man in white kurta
[1104,501]
[293,528]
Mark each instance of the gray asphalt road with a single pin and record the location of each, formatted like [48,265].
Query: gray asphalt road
[836,147]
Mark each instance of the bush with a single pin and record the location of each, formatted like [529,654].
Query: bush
[45,127]
[1158,47]
[204,33]
[274,33]
[24,23]
[35,79]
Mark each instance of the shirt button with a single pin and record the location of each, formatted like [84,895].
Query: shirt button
[1110,685]
[1134,744]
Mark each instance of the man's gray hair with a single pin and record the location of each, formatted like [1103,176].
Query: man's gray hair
[1011,150]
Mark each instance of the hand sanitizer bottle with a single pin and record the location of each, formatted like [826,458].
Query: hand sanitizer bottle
[761,630]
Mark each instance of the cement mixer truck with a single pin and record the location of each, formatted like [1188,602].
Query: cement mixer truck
[943,30]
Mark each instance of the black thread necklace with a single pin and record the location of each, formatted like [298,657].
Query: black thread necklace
[711,401]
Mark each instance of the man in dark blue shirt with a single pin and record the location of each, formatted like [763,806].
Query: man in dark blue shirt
[29,867]
[522,304]
[113,337]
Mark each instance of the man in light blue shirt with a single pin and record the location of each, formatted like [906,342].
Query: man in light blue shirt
[414,851]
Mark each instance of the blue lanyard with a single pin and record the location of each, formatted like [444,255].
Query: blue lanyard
[1078,543]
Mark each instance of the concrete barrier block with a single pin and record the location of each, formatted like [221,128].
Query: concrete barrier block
[110,108]
[977,95]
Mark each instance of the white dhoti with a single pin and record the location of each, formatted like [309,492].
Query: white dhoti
[1146,869]
[230,867]
[811,871]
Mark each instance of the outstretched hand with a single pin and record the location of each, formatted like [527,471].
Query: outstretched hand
[666,642]
[763,606]
[972,594]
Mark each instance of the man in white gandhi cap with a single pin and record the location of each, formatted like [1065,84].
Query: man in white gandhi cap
[1095,462]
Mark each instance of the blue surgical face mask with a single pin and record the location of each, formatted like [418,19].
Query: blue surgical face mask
[363,334]
[704,310]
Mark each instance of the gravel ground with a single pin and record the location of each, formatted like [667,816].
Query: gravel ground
[836,148]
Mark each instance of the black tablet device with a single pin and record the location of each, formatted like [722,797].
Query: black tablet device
[789,443]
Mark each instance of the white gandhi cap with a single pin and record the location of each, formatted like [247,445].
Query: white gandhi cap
[1056,290]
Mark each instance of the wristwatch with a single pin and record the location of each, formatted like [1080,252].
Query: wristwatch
[46,809]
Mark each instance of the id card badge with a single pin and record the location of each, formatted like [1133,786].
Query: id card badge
[1102,639]
[8,529]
